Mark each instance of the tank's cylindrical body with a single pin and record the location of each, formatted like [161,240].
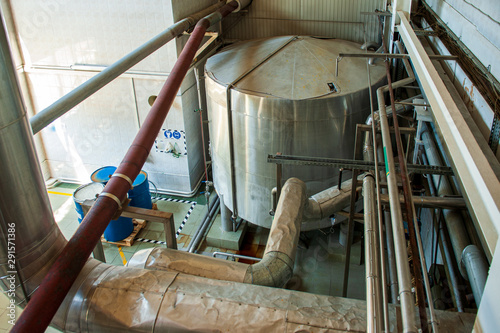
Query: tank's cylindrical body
[292,103]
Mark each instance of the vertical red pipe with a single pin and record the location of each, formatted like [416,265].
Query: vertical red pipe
[48,297]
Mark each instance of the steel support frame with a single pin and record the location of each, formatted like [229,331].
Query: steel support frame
[479,184]
[346,164]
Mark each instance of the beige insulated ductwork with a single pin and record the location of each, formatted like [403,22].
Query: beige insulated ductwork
[276,266]
[325,203]
[121,299]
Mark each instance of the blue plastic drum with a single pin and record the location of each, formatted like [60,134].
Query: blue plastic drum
[139,195]
[119,229]
[102,175]
[85,192]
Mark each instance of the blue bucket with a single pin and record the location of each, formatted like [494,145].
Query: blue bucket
[139,195]
[85,192]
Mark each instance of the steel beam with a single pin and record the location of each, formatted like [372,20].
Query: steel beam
[351,164]
[392,56]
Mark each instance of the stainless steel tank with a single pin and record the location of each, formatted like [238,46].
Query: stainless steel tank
[284,97]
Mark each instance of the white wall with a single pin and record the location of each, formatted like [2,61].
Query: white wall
[328,18]
[57,35]
[477,24]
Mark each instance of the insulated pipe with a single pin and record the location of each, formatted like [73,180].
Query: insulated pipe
[472,267]
[27,228]
[43,118]
[120,299]
[325,203]
[38,313]
[372,268]
[276,266]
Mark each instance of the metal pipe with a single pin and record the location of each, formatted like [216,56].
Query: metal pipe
[234,255]
[475,272]
[386,55]
[446,250]
[225,216]
[427,284]
[431,202]
[373,294]
[370,153]
[196,240]
[94,84]
[391,257]
[56,284]
[401,254]
[399,109]
[274,200]
[210,205]
[417,272]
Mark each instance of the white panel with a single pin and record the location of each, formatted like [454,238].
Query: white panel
[169,172]
[96,32]
[329,18]
[475,29]
[95,133]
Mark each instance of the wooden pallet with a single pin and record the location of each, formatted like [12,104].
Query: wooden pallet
[129,241]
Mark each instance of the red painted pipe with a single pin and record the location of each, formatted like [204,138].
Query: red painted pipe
[48,297]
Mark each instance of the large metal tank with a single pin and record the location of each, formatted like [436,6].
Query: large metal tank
[284,97]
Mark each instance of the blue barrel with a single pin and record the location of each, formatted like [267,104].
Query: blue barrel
[85,192]
[117,229]
[139,195]
[102,175]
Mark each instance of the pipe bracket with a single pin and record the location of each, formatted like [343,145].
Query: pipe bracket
[127,178]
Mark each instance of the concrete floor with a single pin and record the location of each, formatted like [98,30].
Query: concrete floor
[318,269]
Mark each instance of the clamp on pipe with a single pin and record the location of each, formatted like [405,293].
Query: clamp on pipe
[127,178]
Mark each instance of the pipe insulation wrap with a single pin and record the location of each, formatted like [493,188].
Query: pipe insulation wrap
[276,266]
[241,4]
[332,200]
